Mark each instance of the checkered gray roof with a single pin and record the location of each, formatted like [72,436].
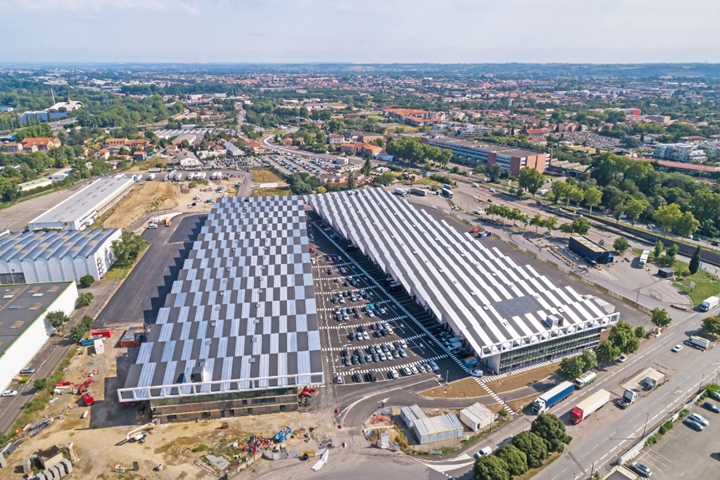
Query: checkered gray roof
[241,314]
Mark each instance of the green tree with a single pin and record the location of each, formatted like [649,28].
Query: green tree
[515,458]
[490,467]
[385,179]
[530,179]
[494,171]
[86,281]
[128,248]
[78,332]
[634,208]
[536,221]
[57,319]
[686,225]
[593,197]
[640,331]
[607,351]
[588,360]
[712,325]
[533,446]
[576,195]
[658,250]
[659,317]
[367,167]
[694,265]
[668,216]
[40,384]
[621,244]
[560,190]
[623,337]
[566,227]
[551,429]
[351,180]
[581,225]
[570,368]
[550,222]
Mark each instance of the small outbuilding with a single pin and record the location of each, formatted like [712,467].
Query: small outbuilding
[666,272]
[476,417]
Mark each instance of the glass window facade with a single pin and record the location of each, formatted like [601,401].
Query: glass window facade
[546,351]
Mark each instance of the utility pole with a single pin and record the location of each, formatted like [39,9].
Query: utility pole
[646,420]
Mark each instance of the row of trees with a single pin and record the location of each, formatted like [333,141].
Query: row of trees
[416,152]
[625,339]
[571,368]
[527,450]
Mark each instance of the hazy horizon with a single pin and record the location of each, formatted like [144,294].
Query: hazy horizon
[367,32]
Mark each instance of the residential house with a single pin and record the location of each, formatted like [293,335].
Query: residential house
[362,149]
[115,142]
[335,139]
[103,153]
[254,146]
[369,137]
[13,147]
[40,144]
[535,134]
[139,156]
[287,141]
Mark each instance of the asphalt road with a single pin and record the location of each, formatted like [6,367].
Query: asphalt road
[143,291]
[17,217]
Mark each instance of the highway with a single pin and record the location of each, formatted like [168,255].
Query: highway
[599,440]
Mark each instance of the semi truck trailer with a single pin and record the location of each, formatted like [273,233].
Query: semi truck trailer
[591,404]
[552,397]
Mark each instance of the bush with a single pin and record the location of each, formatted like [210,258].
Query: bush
[666,426]
[683,413]
[86,281]
[653,439]
[40,384]
[84,299]
[551,429]
[713,388]
[400,438]
[78,332]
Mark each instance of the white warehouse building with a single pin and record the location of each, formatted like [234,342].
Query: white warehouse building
[56,256]
[24,328]
[83,208]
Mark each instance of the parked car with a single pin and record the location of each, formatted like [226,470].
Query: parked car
[711,406]
[699,419]
[393,374]
[356,377]
[406,371]
[9,393]
[338,379]
[640,469]
[693,424]
[27,371]
[676,348]
[622,358]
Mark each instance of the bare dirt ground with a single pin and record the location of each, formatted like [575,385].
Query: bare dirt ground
[525,379]
[143,199]
[177,445]
[465,388]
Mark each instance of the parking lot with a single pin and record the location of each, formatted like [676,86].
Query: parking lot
[684,452]
[365,332]
[290,164]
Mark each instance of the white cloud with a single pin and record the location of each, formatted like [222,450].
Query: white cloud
[90,7]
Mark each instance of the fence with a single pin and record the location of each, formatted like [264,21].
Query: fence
[635,449]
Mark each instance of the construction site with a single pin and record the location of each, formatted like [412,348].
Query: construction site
[135,446]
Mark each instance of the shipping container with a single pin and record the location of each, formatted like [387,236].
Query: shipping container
[552,397]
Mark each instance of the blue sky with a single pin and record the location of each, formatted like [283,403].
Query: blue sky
[359,31]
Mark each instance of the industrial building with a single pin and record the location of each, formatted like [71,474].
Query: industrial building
[508,314]
[590,250]
[23,326]
[431,429]
[83,208]
[238,333]
[474,153]
[56,256]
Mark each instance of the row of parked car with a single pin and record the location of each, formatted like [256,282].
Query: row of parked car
[393,374]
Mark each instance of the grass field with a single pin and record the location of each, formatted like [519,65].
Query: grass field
[706,285]
[271,192]
[264,175]
[427,181]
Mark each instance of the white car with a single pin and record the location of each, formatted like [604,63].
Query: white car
[365,336]
[622,358]
[477,373]
[676,348]
[9,393]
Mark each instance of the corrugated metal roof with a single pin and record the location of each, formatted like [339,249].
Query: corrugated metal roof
[487,298]
[53,244]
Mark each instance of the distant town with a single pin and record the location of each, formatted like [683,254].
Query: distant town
[485,272]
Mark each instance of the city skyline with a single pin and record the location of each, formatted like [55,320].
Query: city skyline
[394,31]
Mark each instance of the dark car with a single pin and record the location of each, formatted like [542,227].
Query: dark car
[356,377]
[345,352]
[711,406]
[351,335]
[641,469]
[693,424]
[329,271]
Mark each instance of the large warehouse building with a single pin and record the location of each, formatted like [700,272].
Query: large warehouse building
[83,208]
[507,313]
[23,326]
[56,256]
[510,159]
[238,333]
